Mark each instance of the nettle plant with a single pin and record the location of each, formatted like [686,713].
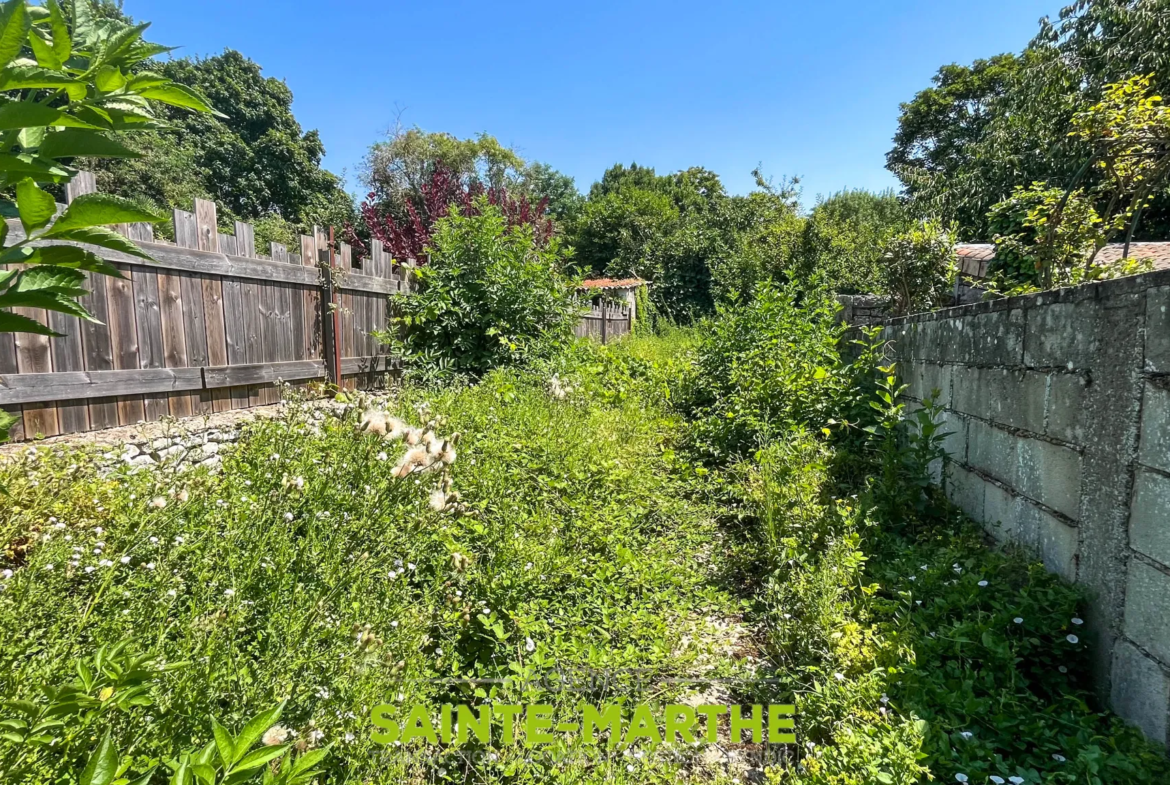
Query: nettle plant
[69,84]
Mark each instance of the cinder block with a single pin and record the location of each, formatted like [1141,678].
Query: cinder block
[993,451]
[1141,691]
[1155,445]
[1147,609]
[954,425]
[1158,329]
[925,378]
[1059,544]
[1149,516]
[1065,409]
[1051,475]
[965,490]
[1000,514]
[1062,335]
[995,338]
[1013,398]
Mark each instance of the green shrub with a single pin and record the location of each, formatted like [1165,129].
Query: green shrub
[918,268]
[767,366]
[490,296]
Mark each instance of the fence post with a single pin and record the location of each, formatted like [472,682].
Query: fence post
[334,316]
[604,323]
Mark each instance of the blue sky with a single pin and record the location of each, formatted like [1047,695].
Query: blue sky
[809,88]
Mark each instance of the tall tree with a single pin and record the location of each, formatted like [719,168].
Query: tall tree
[965,144]
[256,161]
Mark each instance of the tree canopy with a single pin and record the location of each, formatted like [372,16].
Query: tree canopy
[966,143]
[256,161]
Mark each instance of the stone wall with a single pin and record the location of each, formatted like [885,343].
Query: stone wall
[1059,408]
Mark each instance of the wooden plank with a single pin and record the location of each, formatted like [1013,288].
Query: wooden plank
[176,257]
[195,330]
[192,287]
[348,333]
[124,339]
[352,366]
[40,387]
[311,316]
[82,183]
[213,310]
[148,311]
[8,365]
[285,295]
[98,349]
[269,349]
[253,347]
[245,240]
[263,373]
[174,337]
[33,355]
[69,355]
[234,304]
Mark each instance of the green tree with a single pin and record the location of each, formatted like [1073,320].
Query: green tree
[541,181]
[255,161]
[1005,122]
[615,233]
[490,296]
[842,239]
[918,267]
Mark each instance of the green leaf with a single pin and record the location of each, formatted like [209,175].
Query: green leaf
[80,143]
[204,773]
[103,764]
[83,20]
[50,302]
[58,280]
[31,77]
[37,207]
[182,773]
[308,761]
[103,237]
[31,138]
[96,210]
[29,114]
[258,758]
[223,742]
[109,79]
[72,257]
[40,169]
[144,779]
[62,43]
[14,26]
[255,729]
[179,95]
[15,323]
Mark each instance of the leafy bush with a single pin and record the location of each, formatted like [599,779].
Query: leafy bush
[491,296]
[1021,225]
[918,267]
[767,366]
[842,240]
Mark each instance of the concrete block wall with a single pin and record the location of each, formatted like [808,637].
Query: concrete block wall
[1059,407]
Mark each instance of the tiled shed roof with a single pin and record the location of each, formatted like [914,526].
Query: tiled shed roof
[975,257]
[612,283]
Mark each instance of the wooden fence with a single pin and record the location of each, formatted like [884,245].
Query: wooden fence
[605,321]
[209,326]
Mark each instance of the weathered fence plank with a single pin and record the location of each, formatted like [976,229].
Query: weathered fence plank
[207,325]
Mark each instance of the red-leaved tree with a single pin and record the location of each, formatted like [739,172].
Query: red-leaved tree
[406,237]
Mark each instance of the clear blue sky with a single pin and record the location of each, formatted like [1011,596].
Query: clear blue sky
[806,88]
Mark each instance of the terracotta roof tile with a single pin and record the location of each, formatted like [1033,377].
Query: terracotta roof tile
[973,257]
[611,283]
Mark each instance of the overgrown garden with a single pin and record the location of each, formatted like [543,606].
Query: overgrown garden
[733,505]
